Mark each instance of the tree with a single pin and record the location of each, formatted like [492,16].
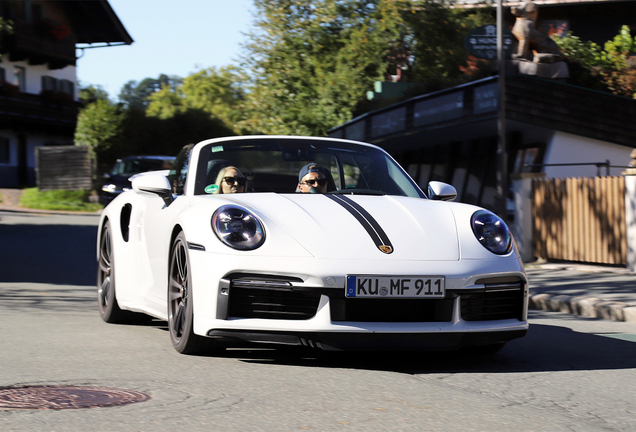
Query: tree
[136,95]
[310,63]
[142,134]
[98,124]
[217,92]
[6,27]
[610,68]
[437,42]
[92,93]
[165,103]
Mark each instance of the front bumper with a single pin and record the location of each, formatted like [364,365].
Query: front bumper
[485,304]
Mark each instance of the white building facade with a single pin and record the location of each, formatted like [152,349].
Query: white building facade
[38,82]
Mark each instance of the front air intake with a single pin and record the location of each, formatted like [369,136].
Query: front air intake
[497,301]
[270,298]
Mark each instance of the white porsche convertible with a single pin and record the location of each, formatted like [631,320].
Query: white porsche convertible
[226,248]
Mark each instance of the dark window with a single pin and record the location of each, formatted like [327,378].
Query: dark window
[5,151]
[35,13]
[528,158]
[19,77]
[65,86]
[49,83]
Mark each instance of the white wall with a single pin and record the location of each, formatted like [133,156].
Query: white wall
[34,74]
[522,226]
[33,141]
[568,148]
[630,220]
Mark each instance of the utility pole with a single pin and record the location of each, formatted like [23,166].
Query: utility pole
[502,154]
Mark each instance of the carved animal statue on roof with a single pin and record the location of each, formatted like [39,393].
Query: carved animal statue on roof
[533,44]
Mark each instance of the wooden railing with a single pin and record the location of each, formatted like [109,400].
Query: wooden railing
[27,110]
[580,219]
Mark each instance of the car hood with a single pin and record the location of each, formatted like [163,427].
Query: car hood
[361,226]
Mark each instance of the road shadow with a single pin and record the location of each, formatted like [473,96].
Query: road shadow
[48,253]
[546,348]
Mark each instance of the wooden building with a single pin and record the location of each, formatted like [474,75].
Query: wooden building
[38,83]
[451,135]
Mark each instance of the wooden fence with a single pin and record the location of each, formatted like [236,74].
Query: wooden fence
[580,219]
[63,167]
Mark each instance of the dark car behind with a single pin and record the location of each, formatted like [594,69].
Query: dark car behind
[117,179]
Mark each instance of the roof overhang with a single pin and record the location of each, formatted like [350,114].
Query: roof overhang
[95,21]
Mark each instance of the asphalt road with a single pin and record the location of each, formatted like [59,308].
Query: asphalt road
[568,374]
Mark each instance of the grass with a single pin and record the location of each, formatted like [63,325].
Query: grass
[58,200]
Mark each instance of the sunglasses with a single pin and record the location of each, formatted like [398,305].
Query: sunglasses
[321,182]
[231,180]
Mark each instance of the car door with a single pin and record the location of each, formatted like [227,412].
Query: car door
[158,222]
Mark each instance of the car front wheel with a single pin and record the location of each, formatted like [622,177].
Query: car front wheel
[180,303]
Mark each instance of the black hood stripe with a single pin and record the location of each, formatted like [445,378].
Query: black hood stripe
[367,221]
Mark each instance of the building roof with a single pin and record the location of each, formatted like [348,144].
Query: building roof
[95,21]
[470,110]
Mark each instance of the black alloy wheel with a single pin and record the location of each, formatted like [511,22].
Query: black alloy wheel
[108,307]
[180,303]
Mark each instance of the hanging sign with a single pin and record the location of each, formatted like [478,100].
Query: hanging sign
[482,42]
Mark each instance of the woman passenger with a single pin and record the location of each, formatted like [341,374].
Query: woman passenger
[230,180]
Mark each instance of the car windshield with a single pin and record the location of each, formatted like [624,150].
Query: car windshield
[273,165]
[127,167]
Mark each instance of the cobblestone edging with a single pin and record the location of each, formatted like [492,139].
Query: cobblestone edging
[589,307]
[10,197]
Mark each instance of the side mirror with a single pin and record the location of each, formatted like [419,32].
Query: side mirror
[107,176]
[441,191]
[153,184]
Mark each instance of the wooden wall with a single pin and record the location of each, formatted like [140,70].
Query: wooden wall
[580,219]
[63,167]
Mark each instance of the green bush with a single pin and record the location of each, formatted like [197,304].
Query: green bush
[66,200]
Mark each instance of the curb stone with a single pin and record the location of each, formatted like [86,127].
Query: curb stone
[589,307]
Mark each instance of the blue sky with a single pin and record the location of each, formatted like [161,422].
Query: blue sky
[171,37]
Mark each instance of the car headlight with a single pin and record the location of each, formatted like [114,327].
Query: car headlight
[238,228]
[491,231]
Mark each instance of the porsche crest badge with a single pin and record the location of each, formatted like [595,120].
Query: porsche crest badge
[386,249]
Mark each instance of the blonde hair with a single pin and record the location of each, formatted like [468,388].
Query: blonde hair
[219,178]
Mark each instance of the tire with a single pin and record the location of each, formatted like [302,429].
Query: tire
[106,299]
[180,303]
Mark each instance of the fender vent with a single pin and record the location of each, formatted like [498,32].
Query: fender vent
[124,221]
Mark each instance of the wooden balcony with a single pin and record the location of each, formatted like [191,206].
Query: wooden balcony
[23,111]
[39,44]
